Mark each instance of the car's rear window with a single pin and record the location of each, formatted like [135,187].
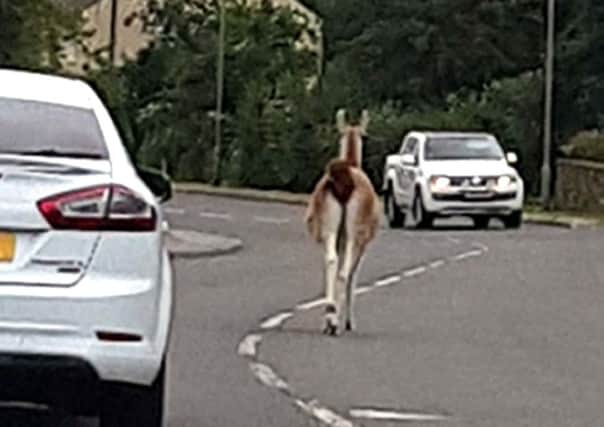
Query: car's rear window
[462,148]
[37,127]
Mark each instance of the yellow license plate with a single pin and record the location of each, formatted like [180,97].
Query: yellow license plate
[7,247]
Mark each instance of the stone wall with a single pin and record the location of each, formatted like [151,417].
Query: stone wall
[580,186]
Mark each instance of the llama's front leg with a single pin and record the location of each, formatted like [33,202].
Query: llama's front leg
[331,270]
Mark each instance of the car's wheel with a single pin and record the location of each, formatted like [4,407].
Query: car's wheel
[481,222]
[421,218]
[133,406]
[513,221]
[394,214]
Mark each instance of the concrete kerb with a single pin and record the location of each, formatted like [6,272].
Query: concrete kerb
[282,197]
[194,244]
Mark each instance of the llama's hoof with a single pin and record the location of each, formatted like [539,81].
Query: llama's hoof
[331,325]
[331,330]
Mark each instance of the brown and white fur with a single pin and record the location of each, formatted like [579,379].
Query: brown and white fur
[343,215]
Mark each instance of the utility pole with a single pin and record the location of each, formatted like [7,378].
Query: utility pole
[112,32]
[219,93]
[546,172]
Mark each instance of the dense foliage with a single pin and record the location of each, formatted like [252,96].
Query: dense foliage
[467,64]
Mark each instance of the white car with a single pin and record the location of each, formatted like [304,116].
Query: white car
[85,277]
[446,174]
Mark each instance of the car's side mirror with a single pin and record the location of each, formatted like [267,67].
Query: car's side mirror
[512,158]
[158,182]
[408,159]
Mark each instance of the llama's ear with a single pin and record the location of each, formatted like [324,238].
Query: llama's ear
[341,120]
[364,124]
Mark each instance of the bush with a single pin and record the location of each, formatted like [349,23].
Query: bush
[587,145]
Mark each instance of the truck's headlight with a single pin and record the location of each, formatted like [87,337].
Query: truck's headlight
[439,183]
[506,182]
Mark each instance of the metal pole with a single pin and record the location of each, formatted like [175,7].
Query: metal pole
[546,172]
[219,92]
[112,32]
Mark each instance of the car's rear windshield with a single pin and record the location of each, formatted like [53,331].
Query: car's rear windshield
[40,128]
[462,148]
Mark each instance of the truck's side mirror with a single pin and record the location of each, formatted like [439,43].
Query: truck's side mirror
[408,160]
[512,158]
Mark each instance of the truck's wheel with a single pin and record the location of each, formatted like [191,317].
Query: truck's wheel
[394,214]
[421,218]
[513,221]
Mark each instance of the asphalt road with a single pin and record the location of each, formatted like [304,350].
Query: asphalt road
[489,328]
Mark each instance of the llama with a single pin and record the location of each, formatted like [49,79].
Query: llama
[351,137]
[343,215]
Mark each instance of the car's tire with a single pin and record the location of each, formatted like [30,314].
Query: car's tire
[422,219]
[125,405]
[513,221]
[393,212]
[481,222]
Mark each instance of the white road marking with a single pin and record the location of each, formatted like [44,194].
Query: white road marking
[384,415]
[323,414]
[437,264]
[484,248]
[364,290]
[415,272]
[174,211]
[453,240]
[276,320]
[311,304]
[247,347]
[216,215]
[387,281]
[270,220]
[466,255]
[268,377]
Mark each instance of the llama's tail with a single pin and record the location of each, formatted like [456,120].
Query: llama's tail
[340,184]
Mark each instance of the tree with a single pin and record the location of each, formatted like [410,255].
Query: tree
[33,33]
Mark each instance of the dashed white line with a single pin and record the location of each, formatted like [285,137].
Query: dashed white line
[387,281]
[364,290]
[216,215]
[268,377]
[175,211]
[323,414]
[437,264]
[484,248]
[386,415]
[270,220]
[466,255]
[415,272]
[311,304]
[276,320]
[248,346]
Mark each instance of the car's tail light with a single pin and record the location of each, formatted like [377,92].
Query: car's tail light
[104,208]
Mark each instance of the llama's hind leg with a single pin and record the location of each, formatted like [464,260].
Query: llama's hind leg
[350,293]
[331,267]
[331,224]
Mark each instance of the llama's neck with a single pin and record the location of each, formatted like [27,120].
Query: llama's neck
[351,149]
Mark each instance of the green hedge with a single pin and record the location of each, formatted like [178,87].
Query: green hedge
[587,145]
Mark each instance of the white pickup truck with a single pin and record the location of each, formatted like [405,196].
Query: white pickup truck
[446,174]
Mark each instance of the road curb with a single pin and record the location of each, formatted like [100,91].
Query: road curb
[571,223]
[194,244]
[243,193]
[283,197]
